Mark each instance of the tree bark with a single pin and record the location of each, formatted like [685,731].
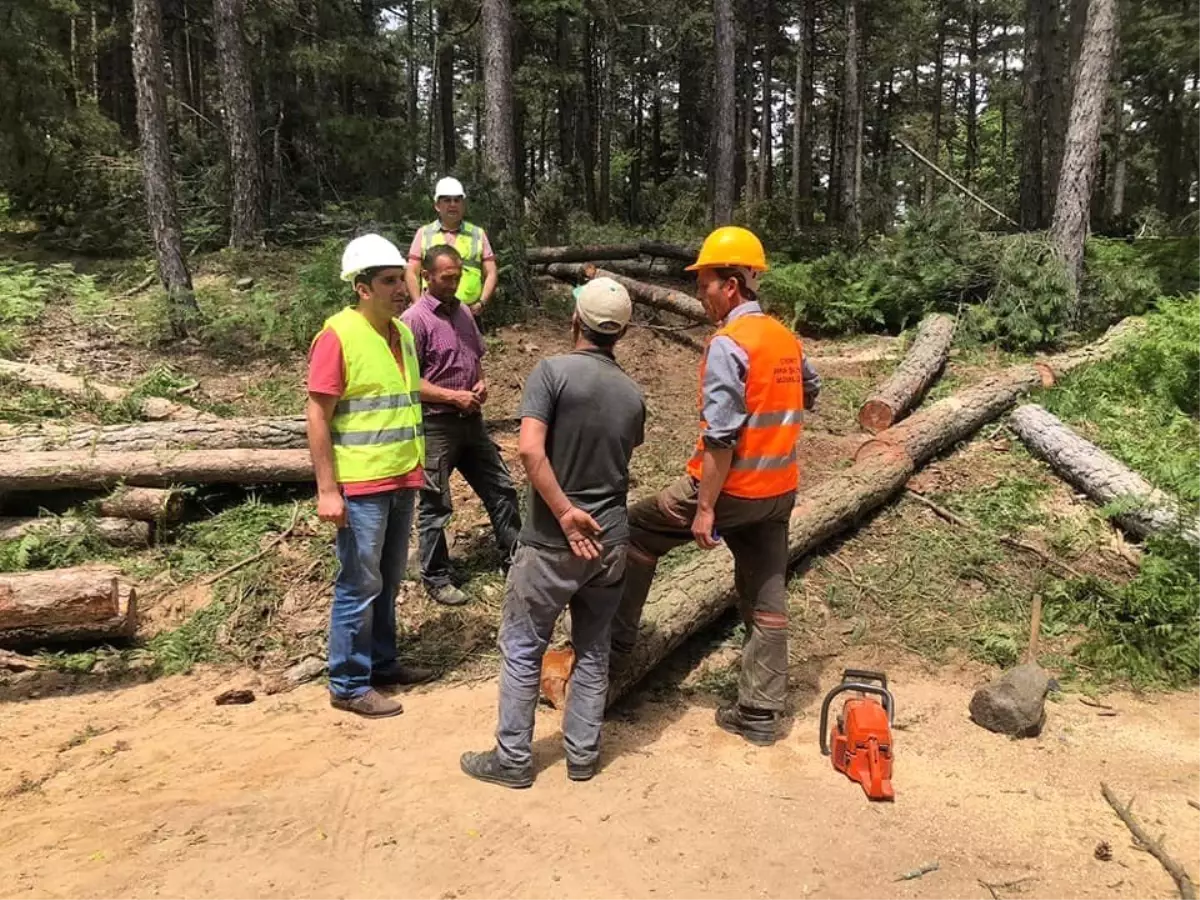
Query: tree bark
[1072,206]
[241,125]
[410,88]
[646,268]
[852,123]
[1116,196]
[585,134]
[116,532]
[1032,121]
[640,292]
[971,158]
[87,391]
[582,253]
[1143,510]
[158,505]
[918,370]
[87,603]
[158,173]
[1056,102]
[764,139]
[724,117]
[59,469]
[702,588]
[445,77]
[799,123]
[939,90]
[607,111]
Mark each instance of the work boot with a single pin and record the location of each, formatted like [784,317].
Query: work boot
[755,725]
[446,594]
[487,767]
[396,674]
[371,705]
[581,771]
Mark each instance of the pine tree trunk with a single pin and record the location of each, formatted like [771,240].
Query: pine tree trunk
[802,139]
[724,118]
[157,170]
[749,183]
[585,131]
[607,111]
[1071,211]
[241,126]
[852,123]
[1032,117]
[971,160]
[566,98]
[445,74]
[1057,102]
[764,140]
[412,122]
[939,69]
[1116,196]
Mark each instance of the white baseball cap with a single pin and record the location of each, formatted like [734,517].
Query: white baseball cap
[370,251]
[449,187]
[603,305]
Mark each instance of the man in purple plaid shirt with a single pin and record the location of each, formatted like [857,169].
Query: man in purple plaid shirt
[453,391]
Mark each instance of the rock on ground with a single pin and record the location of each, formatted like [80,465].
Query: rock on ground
[1014,703]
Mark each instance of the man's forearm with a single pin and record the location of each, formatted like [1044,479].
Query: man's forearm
[491,275]
[714,469]
[541,475]
[320,447]
[431,393]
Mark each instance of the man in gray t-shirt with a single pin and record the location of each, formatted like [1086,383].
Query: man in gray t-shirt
[581,417]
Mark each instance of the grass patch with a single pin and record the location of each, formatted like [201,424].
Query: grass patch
[1005,508]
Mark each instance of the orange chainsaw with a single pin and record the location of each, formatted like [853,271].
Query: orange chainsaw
[861,737]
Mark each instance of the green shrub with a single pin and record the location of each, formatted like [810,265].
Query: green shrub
[1117,281]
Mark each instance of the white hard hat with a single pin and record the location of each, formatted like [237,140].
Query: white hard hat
[371,251]
[449,187]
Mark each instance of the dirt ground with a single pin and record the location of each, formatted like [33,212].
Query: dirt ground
[154,791]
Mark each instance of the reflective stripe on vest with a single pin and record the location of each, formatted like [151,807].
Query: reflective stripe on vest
[469,244]
[377,429]
[764,457]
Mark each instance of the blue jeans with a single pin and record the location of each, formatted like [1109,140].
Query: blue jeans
[372,553]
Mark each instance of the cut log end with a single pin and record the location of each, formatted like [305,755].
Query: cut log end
[876,415]
[86,603]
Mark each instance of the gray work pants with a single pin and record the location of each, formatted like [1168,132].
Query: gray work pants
[541,584]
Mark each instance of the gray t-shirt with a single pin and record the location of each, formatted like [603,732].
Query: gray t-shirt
[595,416]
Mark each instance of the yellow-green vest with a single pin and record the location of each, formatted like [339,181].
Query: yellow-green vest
[377,429]
[469,244]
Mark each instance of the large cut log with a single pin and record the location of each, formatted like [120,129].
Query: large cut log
[160,505]
[702,588]
[1140,508]
[61,469]
[87,390]
[581,253]
[114,531]
[87,603]
[669,251]
[648,268]
[912,378]
[640,292]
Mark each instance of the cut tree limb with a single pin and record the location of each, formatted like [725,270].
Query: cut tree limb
[640,292]
[912,378]
[581,253]
[702,588]
[86,603]
[1183,883]
[1142,509]
[160,505]
[115,531]
[57,470]
[87,390]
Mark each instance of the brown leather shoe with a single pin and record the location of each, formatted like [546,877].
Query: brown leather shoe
[371,705]
[396,674]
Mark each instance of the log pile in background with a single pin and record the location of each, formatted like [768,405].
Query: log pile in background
[912,378]
[119,532]
[639,291]
[85,603]
[1141,509]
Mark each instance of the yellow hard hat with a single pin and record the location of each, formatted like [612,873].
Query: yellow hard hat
[731,246]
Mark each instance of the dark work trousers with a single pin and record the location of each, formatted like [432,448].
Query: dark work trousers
[756,533]
[462,442]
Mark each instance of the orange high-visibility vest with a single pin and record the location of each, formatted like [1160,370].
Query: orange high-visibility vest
[764,458]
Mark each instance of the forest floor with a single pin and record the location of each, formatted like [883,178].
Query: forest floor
[115,788]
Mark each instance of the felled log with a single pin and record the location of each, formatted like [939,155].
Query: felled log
[61,469]
[85,390]
[1142,509]
[581,253]
[114,531]
[912,378]
[640,292]
[669,251]
[647,268]
[160,505]
[702,588]
[86,603]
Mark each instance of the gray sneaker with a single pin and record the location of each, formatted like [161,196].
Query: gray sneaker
[371,705]
[486,766]
[447,595]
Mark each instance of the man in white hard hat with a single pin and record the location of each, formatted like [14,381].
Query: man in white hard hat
[581,417]
[366,438]
[479,271]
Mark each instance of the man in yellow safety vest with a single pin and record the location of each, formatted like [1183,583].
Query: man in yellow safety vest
[367,443]
[479,272]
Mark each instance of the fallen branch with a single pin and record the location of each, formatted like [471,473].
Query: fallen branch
[954,181]
[640,292]
[1183,884]
[87,391]
[271,545]
[912,378]
[918,872]
[136,289]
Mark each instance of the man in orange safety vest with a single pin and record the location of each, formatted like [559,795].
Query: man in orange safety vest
[741,481]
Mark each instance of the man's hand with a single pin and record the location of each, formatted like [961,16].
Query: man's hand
[702,529]
[466,401]
[331,508]
[480,391]
[582,533]
[476,308]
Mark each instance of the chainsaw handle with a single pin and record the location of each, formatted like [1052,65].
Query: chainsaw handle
[882,692]
[867,675]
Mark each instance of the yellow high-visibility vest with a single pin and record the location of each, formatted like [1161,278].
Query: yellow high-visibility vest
[469,244]
[377,428]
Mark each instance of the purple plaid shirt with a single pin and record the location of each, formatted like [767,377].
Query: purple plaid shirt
[449,347]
